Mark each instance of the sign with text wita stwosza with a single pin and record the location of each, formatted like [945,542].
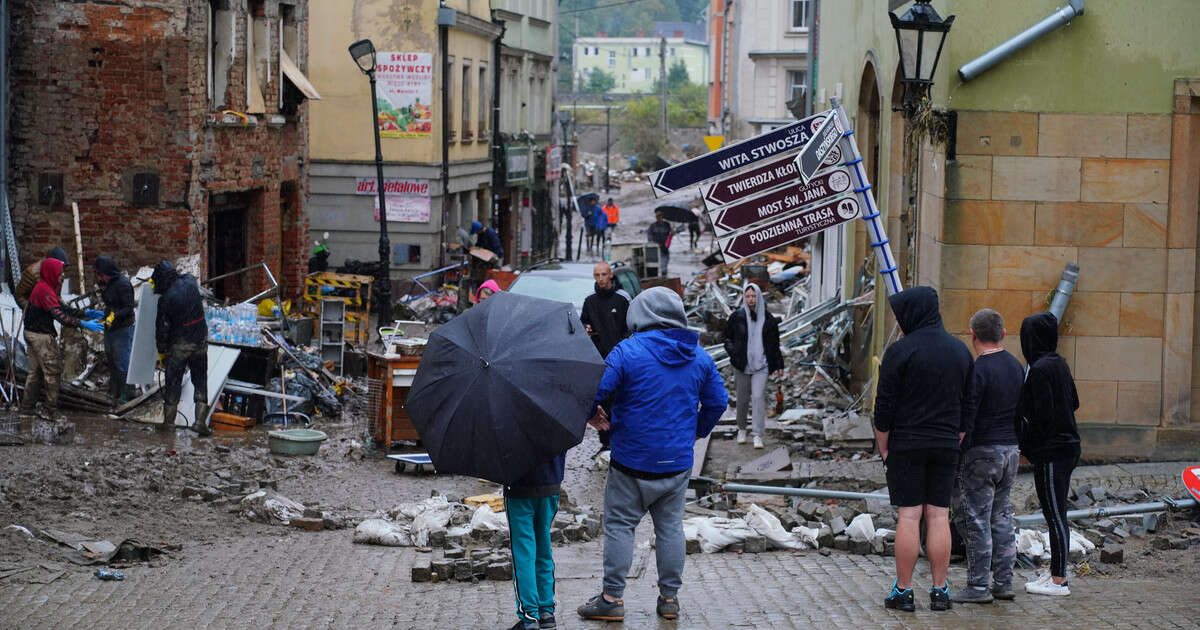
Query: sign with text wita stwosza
[779,202]
[744,153]
[806,222]
[818,148]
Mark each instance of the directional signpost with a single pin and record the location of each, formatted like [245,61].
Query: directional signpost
[768,236]
[779,202]
[809,161]
[751,182]
[734,156]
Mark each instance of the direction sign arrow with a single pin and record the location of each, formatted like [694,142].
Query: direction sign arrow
[818,148]
[806,222]
[744,153]
[751,182]
[778,202]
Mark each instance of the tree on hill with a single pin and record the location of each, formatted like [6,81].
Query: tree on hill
[598,82]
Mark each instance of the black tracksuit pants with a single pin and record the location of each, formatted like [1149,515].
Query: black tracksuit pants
[1053,483]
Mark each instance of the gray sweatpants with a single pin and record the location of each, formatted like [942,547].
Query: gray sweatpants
[751,392]
[626,501]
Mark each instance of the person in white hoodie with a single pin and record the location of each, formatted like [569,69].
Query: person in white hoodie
[752,343]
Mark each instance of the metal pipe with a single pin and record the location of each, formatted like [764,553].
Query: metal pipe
[1062,293]
[802,492]
[1019,41]
[1025,520]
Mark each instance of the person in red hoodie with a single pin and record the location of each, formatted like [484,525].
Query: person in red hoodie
[41,338]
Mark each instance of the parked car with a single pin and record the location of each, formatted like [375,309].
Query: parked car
[570,281]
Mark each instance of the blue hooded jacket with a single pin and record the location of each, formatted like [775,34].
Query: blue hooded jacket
[666,393]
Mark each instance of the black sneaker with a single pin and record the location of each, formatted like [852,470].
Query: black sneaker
[525,625]
[603,610]
[939,597]
[900,600]
[972,595]
[546,621]
[1003,591]
[668,607]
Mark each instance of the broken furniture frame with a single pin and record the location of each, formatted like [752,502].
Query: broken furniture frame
[417,280]
[358,306]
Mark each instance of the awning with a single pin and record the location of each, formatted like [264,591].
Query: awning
[296,77]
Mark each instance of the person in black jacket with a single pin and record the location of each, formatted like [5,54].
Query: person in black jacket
[752,343]
[982,509]
[489,240]
[660,233]
[604,317]
[530,506]
[1046,432]
[117,293]
[918,424]
[181,336]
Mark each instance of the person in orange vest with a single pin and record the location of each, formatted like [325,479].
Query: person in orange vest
[614,215]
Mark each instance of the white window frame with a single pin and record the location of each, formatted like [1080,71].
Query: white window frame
[612,59]
[792,85]
[802,6]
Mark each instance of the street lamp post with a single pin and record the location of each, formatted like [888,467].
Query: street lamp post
[607,140]
[363,53]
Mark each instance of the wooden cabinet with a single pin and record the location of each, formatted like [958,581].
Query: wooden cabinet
[396,373]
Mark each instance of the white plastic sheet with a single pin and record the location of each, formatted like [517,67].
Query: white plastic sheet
[861,528]
[375,531]
[768,526]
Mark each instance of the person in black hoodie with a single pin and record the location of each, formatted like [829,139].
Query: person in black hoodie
[604,316]
[117,293]
[1048,438]
[530,506]
[918,424]
[752,343]
[181,336]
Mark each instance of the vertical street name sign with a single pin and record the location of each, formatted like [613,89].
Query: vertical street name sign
[823,142]
[768,236]
[779,202]
[734,156]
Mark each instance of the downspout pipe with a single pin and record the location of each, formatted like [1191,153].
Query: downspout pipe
[1027,520]
[1026,37]
[1062,293]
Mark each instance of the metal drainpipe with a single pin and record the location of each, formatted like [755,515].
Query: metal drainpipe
[1026,37]
[1026,520]
[444,36]
[810,101]
[1062,293]
[10,250]
[497,148]
[728,37]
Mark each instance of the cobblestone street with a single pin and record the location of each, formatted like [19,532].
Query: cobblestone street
[321,580]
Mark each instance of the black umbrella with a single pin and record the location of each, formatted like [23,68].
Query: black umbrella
[586,201]
[505,386]
[677,214]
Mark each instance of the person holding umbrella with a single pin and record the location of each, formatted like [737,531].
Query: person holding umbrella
[660,232]
[666,393]
[752,342]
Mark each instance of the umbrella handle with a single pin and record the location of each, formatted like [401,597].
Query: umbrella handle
[570,324]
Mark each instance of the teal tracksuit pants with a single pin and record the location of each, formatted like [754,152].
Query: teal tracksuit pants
[529,520]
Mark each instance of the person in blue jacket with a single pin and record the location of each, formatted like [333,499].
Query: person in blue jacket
[488,239]
[599,222]
[530,506]
[666,393]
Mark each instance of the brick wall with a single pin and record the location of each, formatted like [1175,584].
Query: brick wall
[103,90]
[1030,192]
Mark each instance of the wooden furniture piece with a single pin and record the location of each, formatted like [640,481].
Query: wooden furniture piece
[351,289]
[396,373]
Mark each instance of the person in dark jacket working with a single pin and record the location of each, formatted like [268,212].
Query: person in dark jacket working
[918,423]
[989,463]
[530,506]
[667,393]
[488,239]
[604,317]
[752,343]
[117,293]
[41,338]
[32,274]
[181,336]
[660,233]
[1046,432]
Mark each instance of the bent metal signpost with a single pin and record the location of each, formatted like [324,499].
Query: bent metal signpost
[795,194]
[780,201]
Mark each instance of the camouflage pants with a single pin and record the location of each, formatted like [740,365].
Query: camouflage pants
[984,515]
[182,357]
[45,368]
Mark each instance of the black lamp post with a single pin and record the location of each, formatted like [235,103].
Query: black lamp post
[363,52]
[920,33]
[607,138]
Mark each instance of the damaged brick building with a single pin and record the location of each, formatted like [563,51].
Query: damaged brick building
[178,126]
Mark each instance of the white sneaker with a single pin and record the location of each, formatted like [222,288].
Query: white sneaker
[758,442]
[741,436]
[1047,587]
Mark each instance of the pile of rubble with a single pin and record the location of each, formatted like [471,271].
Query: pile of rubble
[467,540]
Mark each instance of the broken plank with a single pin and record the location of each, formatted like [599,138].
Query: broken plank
[699,452]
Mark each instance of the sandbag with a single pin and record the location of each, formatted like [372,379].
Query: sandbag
[717,533]
[861,528]
[485,518]
[266,506]
[375,531]
[768,526]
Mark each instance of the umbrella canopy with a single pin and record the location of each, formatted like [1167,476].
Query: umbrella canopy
[586,200]
[504,387]
[677,214]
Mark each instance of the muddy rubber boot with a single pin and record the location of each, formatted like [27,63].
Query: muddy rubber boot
[170,412]
[201,425]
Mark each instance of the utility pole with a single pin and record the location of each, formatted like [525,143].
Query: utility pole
[662,73]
